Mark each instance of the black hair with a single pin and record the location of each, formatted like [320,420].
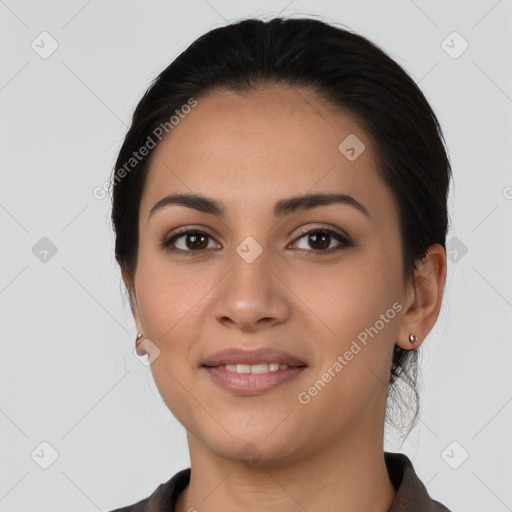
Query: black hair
[352,74]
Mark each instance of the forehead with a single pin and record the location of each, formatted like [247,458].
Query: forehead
[261,146]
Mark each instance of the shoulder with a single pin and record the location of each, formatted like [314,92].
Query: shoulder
[411,493]
[163,498]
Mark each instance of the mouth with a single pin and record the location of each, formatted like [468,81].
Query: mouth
[253,372]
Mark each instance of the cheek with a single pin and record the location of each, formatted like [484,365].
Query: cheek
[168,301]
[352,310]
[167,291]
[170,309]
[354,342]
[349,295]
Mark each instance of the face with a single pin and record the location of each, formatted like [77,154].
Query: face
[322,282]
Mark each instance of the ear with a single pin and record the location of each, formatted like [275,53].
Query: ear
[133,299]
[423,298]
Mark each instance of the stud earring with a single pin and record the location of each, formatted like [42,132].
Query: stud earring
[138,341]
[412,338]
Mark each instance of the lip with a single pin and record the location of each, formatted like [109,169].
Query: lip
[255,356]
[252,383]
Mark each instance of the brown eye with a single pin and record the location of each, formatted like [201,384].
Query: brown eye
[196,241]
[318,241]
[188,242]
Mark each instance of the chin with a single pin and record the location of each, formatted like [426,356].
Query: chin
[256,448]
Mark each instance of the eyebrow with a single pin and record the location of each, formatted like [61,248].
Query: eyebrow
[281,208]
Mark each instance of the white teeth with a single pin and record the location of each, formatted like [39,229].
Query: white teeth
[259,368]
[254,368]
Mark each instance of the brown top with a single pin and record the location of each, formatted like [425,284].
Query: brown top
[411,496]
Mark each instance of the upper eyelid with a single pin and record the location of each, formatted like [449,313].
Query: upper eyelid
[307,228]
[322,227]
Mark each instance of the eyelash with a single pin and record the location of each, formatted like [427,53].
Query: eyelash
[167,244]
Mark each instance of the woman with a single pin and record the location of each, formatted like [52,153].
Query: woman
[280,213]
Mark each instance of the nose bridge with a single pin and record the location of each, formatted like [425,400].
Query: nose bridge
[250,291]
[249,279]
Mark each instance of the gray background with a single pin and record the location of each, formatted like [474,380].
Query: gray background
[68,376]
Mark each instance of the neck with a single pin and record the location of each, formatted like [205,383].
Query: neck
[348,475]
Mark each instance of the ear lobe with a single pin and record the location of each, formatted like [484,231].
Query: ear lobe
[425,295]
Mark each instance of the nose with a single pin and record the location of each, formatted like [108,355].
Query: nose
[252,295]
